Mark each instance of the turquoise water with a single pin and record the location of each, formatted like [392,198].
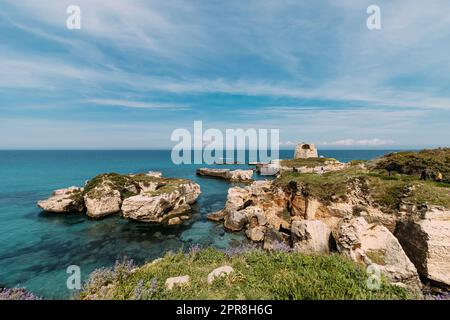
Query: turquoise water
[36,248]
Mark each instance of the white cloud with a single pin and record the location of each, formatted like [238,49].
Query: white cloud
[360,143]
[137,104]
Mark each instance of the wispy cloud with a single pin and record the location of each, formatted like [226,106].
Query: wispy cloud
[137,104]
[364,142]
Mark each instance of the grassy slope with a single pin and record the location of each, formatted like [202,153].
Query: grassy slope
[413,163]
[308,162]
[258,275]
[384,190]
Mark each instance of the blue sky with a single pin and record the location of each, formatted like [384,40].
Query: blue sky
[137,70]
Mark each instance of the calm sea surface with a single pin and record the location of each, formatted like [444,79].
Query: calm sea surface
[36,248]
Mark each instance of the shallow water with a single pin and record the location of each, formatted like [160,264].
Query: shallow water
[36,248]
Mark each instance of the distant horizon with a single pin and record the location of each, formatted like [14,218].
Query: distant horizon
[169,149]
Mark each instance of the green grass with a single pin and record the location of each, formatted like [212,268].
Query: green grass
[308,162]
[124,184]
[257,275]
[413,163]
[322,187]
[383,190]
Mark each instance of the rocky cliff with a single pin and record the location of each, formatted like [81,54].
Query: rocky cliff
[374,216]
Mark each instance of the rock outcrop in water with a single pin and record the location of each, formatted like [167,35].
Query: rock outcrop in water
[231,175]
[63,201]
[142,197]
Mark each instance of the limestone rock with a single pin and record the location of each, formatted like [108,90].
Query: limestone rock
[310,236]
[161,207]
[64,201]
[102,202]
[256,234]
[235,220]
[426,241]
[177,281]
[216,216]
[154,174]
[240,175]
[219,272]
[374,244]
[231,175]
[275,240]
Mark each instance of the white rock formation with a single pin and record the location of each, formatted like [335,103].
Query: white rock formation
[160,208]
[219,272]
[63,201]
[310,236]
[177,281]
[374,244]
[426,241]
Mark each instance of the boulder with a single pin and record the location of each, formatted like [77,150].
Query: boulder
[240,175]
[219,272]
[177,281]
[256,234]
[275,240]
[235,220]
[163,205]
[375,245]
[64,201]
[102,201]
[217,216]
[310,236]
[426,241]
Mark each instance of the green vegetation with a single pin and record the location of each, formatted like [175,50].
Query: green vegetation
[308,162]
[324,187]
[128,185]
[375,185]
[414,163]
[257,275]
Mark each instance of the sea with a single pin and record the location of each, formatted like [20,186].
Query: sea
[36,248]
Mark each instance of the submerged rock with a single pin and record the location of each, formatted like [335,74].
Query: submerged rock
[426,241]
[64,201]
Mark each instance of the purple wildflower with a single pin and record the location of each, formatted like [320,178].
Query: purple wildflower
[17,294]
[194,248]
[240,249]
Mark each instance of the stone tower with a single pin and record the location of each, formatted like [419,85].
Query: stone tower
[305,150]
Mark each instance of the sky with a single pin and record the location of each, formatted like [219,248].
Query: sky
[138,70]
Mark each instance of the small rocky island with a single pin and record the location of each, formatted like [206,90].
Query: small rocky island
[142,197]
[226,174]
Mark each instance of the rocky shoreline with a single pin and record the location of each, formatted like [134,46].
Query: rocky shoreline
[377,213]
[399,224]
